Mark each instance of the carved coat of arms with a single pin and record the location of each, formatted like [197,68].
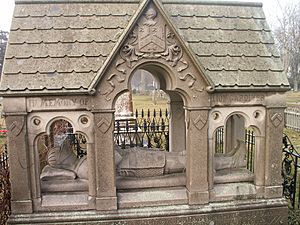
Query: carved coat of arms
[151,34]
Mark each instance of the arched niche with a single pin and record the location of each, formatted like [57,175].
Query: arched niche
[236,144]
[63,160]
[75,128]
[170,171]
[142,115]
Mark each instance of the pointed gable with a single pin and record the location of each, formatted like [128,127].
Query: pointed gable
[59,47]
[151,38]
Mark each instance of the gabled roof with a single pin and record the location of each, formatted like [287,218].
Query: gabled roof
[61,46]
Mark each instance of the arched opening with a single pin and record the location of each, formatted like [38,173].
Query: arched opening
[62,156]
[150,141]
[234,152]
[142,114]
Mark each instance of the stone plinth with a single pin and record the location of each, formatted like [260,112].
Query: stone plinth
[250,212]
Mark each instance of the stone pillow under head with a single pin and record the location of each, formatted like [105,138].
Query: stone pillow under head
[51,173]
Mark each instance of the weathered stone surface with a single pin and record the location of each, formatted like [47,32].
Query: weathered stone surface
[273,212]
[74,53]
[58,41]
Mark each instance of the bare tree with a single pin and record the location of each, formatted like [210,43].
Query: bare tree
[3,43]
[287,35]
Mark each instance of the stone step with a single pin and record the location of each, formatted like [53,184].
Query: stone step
[154,197]
[233,175]
[233,191]
[65,200]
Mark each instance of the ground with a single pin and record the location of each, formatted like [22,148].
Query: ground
[293,99]
[146,102]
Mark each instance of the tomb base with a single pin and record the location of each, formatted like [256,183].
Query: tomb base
[250,212]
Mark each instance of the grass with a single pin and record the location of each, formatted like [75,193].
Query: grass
[294,136]
[293,98]
[146,102]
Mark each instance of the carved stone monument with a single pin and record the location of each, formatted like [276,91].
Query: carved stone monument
[124,107]
[66,64]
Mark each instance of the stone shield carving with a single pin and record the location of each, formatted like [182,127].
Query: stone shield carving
[151,34]
[199,119]
[151,39]
[104,124]
[16,127]
[276,119]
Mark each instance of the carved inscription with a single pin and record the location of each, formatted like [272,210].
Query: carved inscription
[237,98]
[49,103]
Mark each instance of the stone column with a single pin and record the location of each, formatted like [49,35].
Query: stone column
[105,167]
[197,156]
[177,126]
[19,163]
[92,174]
[235,130]
[273,155]
[259,165]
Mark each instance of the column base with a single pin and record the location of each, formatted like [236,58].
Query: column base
[273,191]
[24,206]
[108,203]
[197,198]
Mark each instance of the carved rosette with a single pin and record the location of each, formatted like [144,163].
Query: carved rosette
[151,39]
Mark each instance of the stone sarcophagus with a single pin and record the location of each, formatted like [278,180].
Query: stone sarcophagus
[68,62]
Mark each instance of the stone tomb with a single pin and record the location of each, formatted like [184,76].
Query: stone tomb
[67,63]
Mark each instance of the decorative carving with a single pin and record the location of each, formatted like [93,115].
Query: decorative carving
[104,125]
[110,80]
[151,34]
[16,127]
[276,119]
[36,121]
[191,82]
[151,38]
[277,220]
[84,120]
[199,119]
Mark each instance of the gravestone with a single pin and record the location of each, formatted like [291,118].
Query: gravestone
[66,64]
[124,106]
